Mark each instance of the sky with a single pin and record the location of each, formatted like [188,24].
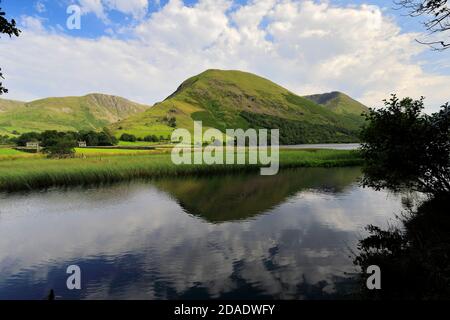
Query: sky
[143,49]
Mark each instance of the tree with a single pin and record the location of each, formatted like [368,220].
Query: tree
[151,138]
[438,12]
[104,139]
[405,148]
[62,148]
[9,28]
[50,137]
[127,137]
[27,137]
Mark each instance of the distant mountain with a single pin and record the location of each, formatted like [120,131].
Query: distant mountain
[236,99]
[221,99]
[90,112]
[339,102]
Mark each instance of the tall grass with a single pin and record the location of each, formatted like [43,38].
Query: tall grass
[39,173]
[8,153]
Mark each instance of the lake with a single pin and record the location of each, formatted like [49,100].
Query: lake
[230,237]
[332,146]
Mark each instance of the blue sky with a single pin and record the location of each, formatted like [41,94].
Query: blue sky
[54,15]
[366,51]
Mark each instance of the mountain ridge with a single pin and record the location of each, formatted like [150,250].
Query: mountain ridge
[338,102]
[221,99]
[235,99]
[72,113]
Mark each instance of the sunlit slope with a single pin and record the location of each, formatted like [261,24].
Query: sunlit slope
[235,99]
[90,112]
[340,103]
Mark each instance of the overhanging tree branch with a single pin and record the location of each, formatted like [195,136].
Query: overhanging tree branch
[438,15]
[9,28]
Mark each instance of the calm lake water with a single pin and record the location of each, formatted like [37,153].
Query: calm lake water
[242,236]
[333,146]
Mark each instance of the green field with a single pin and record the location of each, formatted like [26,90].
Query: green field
[137,144]
[39,173]
[101,151]
[9,152]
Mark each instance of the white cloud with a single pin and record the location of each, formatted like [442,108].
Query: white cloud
[94,6]
[136,8]
[34,24]
[305,46]
[168,233]
[40,6]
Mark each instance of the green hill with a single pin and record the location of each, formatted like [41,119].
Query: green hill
[339,102]
[235,99]
[90,112]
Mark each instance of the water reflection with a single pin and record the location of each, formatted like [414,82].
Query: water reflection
[239,197]
[243,237]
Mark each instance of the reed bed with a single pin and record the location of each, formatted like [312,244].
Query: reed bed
[41,173]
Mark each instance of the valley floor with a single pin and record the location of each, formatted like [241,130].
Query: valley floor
[32,172]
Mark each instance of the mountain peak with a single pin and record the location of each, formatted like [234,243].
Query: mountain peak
[232,99]
[339,102]
[229,80]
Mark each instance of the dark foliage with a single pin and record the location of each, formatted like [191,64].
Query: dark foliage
[127,137]
[52,137]
[61,148]
[6,27]
[22,140]
[415,261]
[405,148]
[106,139]
[296,132]
[152,138]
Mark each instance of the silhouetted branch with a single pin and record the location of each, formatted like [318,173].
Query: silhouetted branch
[9,28]
[438,12]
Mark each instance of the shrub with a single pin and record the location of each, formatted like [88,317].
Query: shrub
[128,137]
[151,138]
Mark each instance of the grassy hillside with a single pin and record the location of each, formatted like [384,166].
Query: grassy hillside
[235,99]
[338,102]
[7,105]
[90,112]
